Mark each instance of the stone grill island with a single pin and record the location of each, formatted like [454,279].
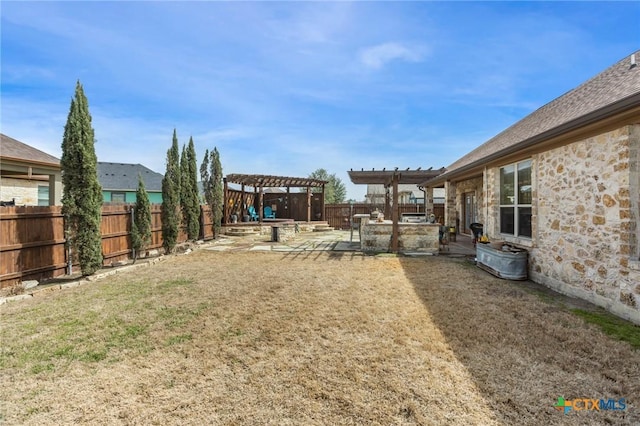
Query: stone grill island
[392,235]
[420,237]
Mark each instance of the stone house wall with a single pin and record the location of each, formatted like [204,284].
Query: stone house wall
[585,243]
[466,186]
[585,211]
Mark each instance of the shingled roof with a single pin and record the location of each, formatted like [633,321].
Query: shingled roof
[124,177]
[13,149]
[614,90]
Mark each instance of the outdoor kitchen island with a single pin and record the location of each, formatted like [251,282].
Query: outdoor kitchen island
[420,237]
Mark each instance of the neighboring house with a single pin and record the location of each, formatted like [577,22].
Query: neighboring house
[119,182]
[28,176]
[564,183]
[407,194]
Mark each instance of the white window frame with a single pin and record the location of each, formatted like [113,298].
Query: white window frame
[43,201]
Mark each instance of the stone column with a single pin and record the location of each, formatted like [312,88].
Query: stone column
[449,203]
[428,200]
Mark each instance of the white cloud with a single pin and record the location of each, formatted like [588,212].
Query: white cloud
[378,56]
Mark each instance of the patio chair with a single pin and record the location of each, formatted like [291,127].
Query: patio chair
[268,213]
[252,213]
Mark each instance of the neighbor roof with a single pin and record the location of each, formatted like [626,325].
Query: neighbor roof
[124,177]
[257,181]
[614,90]
[13,149]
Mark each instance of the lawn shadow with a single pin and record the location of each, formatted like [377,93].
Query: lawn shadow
[523,347]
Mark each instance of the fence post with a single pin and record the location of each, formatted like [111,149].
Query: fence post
[133,219]
[68,244]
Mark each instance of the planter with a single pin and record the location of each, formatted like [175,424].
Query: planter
[509,264]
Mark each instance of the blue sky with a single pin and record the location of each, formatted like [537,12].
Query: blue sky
[288,87]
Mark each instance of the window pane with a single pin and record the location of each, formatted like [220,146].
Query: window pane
[117,197]
[524,182]
[506,185]
[43,195]
[506,220]
[524,221]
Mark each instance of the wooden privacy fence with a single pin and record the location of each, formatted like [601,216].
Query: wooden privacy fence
[32,241]
[338,215]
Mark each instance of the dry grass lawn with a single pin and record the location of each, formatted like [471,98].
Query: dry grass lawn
[306,338]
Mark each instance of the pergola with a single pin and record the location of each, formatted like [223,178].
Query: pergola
[259,182]
[392,178]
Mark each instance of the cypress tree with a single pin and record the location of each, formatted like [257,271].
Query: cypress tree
[82,197]
[217,191]
[189,191]
[141,228]
[193,221]
[184,184]
[205,178]
[171,197]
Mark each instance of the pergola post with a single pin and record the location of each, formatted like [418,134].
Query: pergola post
[288,205]
[261,204]
[243,203]
[322,203]
[387,201]
[225,200]
[394,214]
[308,204]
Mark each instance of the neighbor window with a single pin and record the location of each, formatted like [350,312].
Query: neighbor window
[515,199]
[117,197]
[43,195]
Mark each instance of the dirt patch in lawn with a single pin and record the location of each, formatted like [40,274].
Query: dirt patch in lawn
[306,338]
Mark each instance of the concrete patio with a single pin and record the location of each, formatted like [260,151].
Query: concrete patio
[335,240]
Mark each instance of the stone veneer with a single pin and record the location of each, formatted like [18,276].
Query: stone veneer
[24,191]
[419,237]
[586,240]
[586,208]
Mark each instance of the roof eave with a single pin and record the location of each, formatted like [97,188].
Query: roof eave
[31,162]
[630,105]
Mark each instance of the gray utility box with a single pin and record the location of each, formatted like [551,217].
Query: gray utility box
[510,263]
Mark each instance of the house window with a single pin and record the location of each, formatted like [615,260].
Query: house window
[117,197]
[515,199]
[43,195]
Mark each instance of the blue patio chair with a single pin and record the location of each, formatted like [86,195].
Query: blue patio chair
[268,213]
[252,213]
